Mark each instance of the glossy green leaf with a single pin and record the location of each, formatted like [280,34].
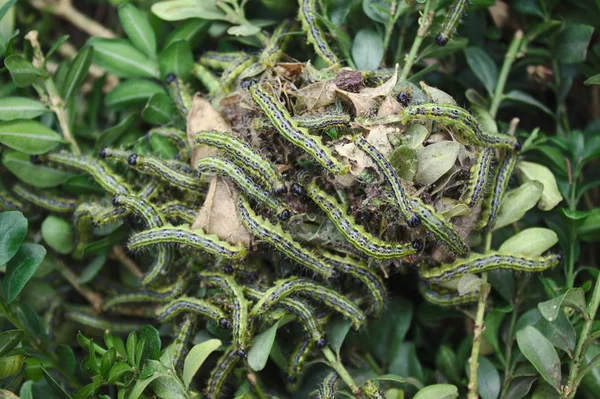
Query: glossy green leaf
[130,347]
[138,29]
[530,242]
[36,175]
[488,379]
[132,92]
[151,338]
[540,352]
[572,42]
[525,98]
[9,340]
[21,70]
[91,269]
[20,108]
[493,322]
[483,67]
[159,110]
[336,333]
[196,357]
[560,332]
[388,331]
[66,359]
[261,347]
[435,160]
[517,202]
[447,362]
[367,49]
[30,137]
[21,268]
[78,71]
[243,30]
[573,298]
[437,391]
[594,80]
[192,30]
[13,230]
[177,59]
[25,391]
[56,387]
[389,377]
[119,57]
[119,370]
[177,10]
[379,10]
[107,361]
[404,362]
[58,234]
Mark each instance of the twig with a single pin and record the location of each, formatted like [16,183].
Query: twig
[119,254]
[64,9]
[92,297]
[509,58]
[339,368]
[424,24]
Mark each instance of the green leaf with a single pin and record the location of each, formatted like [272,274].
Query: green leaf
[388,331]
[119,57]
[573,298]
[483,67]
[379,10]
[55,385]
[56,45]
[177,10]
[66,359]
[438,391]
[404,362]
[13,230]
[91,269]
[107,361]
[82,184]
[525,98]
[130,346]
[196,358]
[192,30]
[590,227]
[151,337]
[594,80]
[447,362]
[35,175]
[336,333]
[435,51]
[388,377]
[119,370]
[517,202]
[572,42]
[21,268]
[162,147]
[20,108]
[132,92]
[138,29]
[11,365]
[530,171]
[159,110]
[560,332]
[58,234]
[26,392]
[367,49]
[488,379]
[177,59]
[30,137]
[435,160]
[78,71]
[112,134]
[22,71]
[530,242]
[6,7]
[141,385]
[540,352]
[261,347]
[493,322]
[243,30]
[9,340]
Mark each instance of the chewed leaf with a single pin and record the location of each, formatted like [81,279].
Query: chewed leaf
[435,160]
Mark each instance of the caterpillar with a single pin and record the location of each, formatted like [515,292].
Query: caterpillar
[370,391]
[155,167]
[233,70]
[53,204]
[329,387]
[323,121]
[87,318]
[390,174]
[219,374]
[208,79]
[361,272]
[453,18]
[184,235]
[180,93]
[142,295]
[245,157]
[275,47]
[298,136]
[176,137]
[308,16]
[329,297]
[354,232]
[282,240]
[99,171]
[479,176]
[177,210]
[220,61]
[495,195]
[228,169]
[144,208]
[298,358]
[240,308]
[303,313]
[445,297]
[182,340]
[82,220]
[464,126]
[479,263]
[196,306]
[9,203]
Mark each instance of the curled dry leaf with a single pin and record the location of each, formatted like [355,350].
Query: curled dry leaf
[204,117]
[316,95]
[436,95]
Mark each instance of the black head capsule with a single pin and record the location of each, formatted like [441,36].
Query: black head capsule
[284,215]
[228,269]
[417,244]
[170,78]
[321,343]
[291,379]
[102,153]
[115,200]
[297,189]
[280,190]
[414,222]
[441,40]
[518,146]
[224,323]
[241,353]
[404,98]
[35,159]
[132,160]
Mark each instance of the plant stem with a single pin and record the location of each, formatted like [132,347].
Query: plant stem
[92,297]
[424,24]
[400,43]
[510,339]
[339,368]
[64,9]
[509,58]
[579,357]
[389,26]
[479,327]
[237,17]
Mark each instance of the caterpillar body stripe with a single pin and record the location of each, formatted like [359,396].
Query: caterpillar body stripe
[184,235]
[145,209]
[298,359]
[500,182]
[303,313]
[233,70]
[321,121]
[361,272]
[142,295]
[282,240]
[328,388]
[390,174]
[370,391]
[177,210]
[354,232]
[445,297]
[226,168]
[314,33]
[290,130]
[110,215]
[479,263]
[219,374]
[479,176]
[180,93]
[196,306]
[99,171]
[276,45]
[88,318]
[208,79]
[329,297]
[156,167]
[239,305]
[245,157]
[183,339]
[465,127]
[453,18]
[9,203]
[220,61]
[82,220]
[53,204]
